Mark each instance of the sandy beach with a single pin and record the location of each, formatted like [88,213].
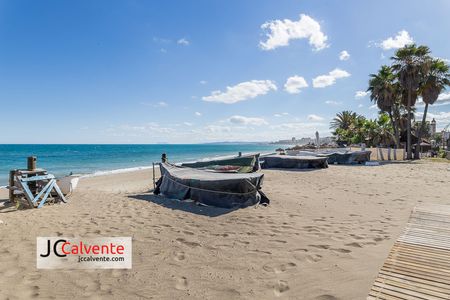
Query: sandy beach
[324,236]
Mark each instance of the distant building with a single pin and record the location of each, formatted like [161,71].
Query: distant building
[304,141]
[433,127]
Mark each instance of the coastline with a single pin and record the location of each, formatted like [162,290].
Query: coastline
[62,160]
[141,168]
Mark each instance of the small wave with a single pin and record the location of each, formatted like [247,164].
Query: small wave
[117,171]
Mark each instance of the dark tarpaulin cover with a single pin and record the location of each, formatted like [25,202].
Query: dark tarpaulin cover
[228,190]
[347,157]
[245,163]
[294,162]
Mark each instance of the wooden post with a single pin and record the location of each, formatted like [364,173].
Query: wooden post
[11,185]
[240,154]
[31,162]
[395,153]
[404,152]
[389,153]
[164,158]
[154,185]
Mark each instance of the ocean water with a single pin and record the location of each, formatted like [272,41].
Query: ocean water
[60,160]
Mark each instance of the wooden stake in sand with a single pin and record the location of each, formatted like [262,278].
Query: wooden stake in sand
[11,184]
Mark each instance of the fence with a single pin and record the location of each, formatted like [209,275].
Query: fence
[385,153]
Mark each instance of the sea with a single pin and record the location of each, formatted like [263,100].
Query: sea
[92,160]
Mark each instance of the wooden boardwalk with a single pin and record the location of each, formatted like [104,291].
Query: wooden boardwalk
[418,266]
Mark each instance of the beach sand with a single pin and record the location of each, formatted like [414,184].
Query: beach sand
[324,236]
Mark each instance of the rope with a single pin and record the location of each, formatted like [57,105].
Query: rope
[212,191]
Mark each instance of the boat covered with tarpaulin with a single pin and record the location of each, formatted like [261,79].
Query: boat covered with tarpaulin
[350,157]
[293,162]
[238,164]
[335,156]
[227,190]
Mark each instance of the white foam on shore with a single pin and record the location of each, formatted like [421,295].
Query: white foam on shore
[117,171]
[3,187]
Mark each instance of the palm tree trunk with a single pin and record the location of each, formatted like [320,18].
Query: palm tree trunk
[421,130]
[408,127]
[395,129]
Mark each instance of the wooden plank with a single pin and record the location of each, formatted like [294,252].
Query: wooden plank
[27,192]
[60,194]
[35,199]
[49,189]
[413,287]
[36,178]
[418,265]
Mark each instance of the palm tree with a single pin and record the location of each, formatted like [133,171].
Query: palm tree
[383,91]
[437,78]
[344,125]
[410,63]
[343,120]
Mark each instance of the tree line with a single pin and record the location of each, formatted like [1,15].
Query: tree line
[396,89]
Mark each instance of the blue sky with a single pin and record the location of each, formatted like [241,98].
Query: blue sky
[199,71]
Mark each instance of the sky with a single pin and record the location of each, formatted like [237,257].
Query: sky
[199,71]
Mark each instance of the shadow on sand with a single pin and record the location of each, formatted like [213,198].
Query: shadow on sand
[6,206]
[186,206]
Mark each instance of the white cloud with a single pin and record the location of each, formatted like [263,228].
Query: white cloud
[158,104]
[247,121]
[280,115]
[203,82]
[443,99]
[344,55]
[242,91]
[444,96]
[188,124]
[147,129]
[361,94]
[294,84]
[400,40]
[360,105]
[299,127]
[331,102]
[316,118]
[159,40]
[329,79]
[280,32]
[198,114]
[442,118]
[183,42]
[217,128]
[374,106]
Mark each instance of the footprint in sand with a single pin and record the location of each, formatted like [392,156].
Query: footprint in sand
[278,241]
[179,256]
[277,269]
[182,283]
[341,250]
[354,244]
[280,288]
[312,258]
[187,243]
[321,246]
[327,297]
